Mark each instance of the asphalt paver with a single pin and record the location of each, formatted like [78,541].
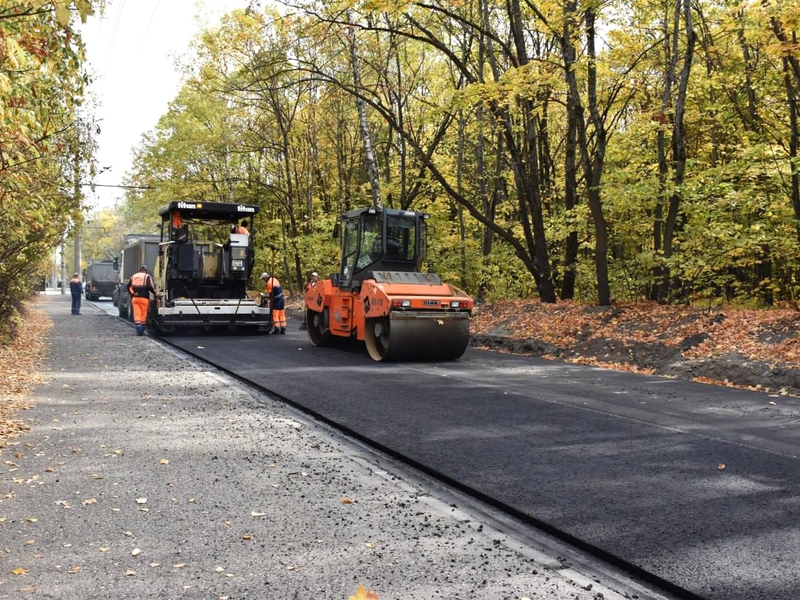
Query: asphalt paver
[147,474]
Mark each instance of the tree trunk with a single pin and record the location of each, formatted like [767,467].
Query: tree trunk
[592,161]
[570,202]
[679,138]
[369,152]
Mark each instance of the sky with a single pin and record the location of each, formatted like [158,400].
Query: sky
[131,52]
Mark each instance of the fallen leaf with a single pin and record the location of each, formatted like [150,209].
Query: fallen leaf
[141,501]
[89,501]
[257,514]
[155,564]
[721,466]
[369,545]
[347,501]
[163,461]
[74,570]
[179,566]
[247,536]
[104,549]
[136,552]
[129,572]
[363,593]
[32,519]
[19,571]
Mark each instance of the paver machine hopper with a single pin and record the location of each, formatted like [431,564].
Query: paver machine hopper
[379,295]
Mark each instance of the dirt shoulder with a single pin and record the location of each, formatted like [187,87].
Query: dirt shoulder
[753,349]
[19,371]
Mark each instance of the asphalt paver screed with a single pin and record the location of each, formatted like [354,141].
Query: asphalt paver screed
[147,475]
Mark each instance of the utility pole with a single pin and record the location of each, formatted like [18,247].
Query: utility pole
[77,252]
[78,199]
[63,270]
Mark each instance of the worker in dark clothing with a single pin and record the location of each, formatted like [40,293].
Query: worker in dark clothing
[277,302]
[76,289]
[140,287]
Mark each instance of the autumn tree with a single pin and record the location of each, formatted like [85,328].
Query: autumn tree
[46,140]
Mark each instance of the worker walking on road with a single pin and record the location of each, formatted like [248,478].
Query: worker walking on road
[140,287]
[277,302]
[76,289]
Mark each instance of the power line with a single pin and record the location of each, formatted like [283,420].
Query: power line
[114,30]
[125,187]
[146,29]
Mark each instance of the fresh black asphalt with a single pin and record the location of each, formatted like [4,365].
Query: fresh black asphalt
[696,484]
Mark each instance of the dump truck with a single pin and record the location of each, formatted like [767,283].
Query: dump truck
[100,278]
[203,268]
[381,297]
[139,249]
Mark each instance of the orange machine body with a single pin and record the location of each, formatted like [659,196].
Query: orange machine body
[347,311]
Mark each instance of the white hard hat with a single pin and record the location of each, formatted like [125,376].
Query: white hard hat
[264,276]
[314,274]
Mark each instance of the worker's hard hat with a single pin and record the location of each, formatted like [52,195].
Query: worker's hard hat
[314,274]
[264,276]
[76,274]
[143,268]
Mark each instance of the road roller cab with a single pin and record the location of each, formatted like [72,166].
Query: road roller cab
[379,295]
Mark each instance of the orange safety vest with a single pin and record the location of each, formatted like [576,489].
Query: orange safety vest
[270,283]
[139,280]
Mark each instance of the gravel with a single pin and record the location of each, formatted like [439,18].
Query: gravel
[147,475]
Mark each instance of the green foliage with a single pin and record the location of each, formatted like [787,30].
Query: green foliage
[268,116]
[46,140]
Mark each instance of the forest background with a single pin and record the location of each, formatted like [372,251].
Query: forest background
[600,152]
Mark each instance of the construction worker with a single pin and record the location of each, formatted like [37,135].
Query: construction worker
[76,289]
[277,303]
[242,228]
[311,284]
[140,287]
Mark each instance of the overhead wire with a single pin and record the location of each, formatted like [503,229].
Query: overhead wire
[146,29]
[114,31]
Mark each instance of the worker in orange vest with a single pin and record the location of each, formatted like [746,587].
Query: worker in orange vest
[241,228]
[310,285]
[277,302]
[140,287]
